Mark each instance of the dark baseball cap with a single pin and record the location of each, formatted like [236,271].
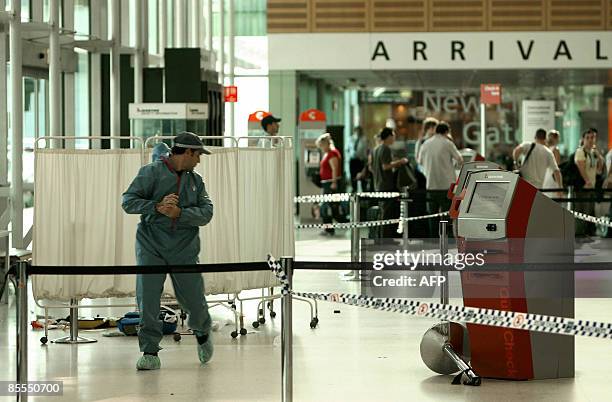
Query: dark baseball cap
[269,119]
[190,141]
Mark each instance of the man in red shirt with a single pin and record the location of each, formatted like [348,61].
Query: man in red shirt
[330,171]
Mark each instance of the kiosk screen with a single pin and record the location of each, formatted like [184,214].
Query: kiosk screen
[488,198]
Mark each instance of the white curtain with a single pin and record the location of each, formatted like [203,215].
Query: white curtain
[78,218]
[79,221]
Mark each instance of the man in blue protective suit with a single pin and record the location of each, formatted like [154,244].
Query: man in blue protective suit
[172,201]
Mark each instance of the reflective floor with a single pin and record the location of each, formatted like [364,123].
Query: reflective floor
[354,355]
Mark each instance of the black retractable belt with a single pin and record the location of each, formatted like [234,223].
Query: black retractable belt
[146,269]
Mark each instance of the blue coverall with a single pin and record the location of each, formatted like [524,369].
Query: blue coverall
[164,241]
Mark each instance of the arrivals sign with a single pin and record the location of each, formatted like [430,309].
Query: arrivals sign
[440,50]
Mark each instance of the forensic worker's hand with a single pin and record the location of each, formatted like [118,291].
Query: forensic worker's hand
[170,210]
[170,199]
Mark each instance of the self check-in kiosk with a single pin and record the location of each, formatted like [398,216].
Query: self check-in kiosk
[456,192]
[506,219]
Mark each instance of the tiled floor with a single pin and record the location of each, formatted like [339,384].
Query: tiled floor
[354,355]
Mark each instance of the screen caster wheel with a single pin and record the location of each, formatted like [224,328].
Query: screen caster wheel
[255,324]
[243,331]
[234,334]
[313,323]
[272,314]
[44,340]
[176,337]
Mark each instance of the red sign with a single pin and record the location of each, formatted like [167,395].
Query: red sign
[490,94]
[231,93]
[258,116]
[312,115]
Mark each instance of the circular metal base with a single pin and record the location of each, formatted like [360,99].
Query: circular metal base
[79,339]
[432,344]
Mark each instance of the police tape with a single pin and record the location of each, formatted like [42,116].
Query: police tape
[341,197]
[417,218]
[447,312]
[367,224]
[336,197]
[348,225]
[605,221]
[379,194]
[402,217]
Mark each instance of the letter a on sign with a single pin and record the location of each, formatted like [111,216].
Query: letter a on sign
[231,93]
[490,94]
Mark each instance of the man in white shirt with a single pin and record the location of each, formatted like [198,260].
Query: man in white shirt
[437,155]
[429,129]
[536,159]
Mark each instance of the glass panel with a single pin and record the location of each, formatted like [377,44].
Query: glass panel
[42,107]
[30,126]
[153,26]
[169,24]
[250,17]
[132,23]
[81,100]
[81,16]
[46,10]
[25,10]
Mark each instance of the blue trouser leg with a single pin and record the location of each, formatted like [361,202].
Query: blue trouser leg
[189,291]
[149,289]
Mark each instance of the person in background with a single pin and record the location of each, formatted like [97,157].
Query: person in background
[607,184]
[552,141]
[359,156]
[384,178]
[589,161]
[438,156]
[429,129]
[536,159]
[330,170]
[608,180]
[270,127]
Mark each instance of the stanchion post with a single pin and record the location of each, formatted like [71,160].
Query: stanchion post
[7,267]
[443,251]
[443,225]
[355,231]
[287,334]
[405,203]
[22,326]
[355,218]
[570,195]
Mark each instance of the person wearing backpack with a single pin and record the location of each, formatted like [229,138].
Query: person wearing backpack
[590,163]
[535,159]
